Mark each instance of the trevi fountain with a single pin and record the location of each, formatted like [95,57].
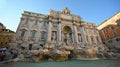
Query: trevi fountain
[58,36]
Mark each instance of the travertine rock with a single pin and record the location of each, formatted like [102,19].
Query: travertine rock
[68,48]
[37,55]
[58,55]
[91,53]
[79,53]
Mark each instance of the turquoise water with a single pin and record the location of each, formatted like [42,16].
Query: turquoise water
[69,63]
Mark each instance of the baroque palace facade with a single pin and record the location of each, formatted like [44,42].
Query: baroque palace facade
[110,31]
[56,28]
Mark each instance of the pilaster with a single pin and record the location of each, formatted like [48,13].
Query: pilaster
[27,34]
[83,35]
[100,37]
[95,40]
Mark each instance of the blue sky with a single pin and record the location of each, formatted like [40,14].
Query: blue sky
[90,10]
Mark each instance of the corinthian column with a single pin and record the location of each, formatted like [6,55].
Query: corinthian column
[49,32]
[59,32]
[76,35]
[83,35]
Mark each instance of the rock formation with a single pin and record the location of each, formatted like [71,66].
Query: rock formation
[61,52]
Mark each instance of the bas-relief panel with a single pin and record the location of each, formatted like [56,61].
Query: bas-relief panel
[66,23]
[66,17]
[77,18]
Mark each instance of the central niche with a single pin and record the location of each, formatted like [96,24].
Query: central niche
[67,35]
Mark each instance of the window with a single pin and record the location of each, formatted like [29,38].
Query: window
[41,45]
[114,33]
[43,35]
[32,34]
[112,28]
[105,31]
[22,47]
[44,23]
[22,33]
[30,46]
[118,24]
[117,39]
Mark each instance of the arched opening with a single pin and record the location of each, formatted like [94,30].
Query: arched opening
[67,35]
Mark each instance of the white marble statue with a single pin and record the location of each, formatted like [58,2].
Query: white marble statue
[54,36]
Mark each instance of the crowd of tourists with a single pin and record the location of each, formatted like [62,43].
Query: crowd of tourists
[6,55]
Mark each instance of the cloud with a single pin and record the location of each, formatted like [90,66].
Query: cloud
[3,3]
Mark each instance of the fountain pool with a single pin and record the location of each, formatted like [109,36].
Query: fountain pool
[69,63]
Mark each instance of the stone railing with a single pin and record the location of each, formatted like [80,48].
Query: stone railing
[20,38]
[31,39]
[41,39]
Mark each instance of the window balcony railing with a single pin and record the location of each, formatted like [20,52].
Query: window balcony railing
[20,38]
[31,39]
